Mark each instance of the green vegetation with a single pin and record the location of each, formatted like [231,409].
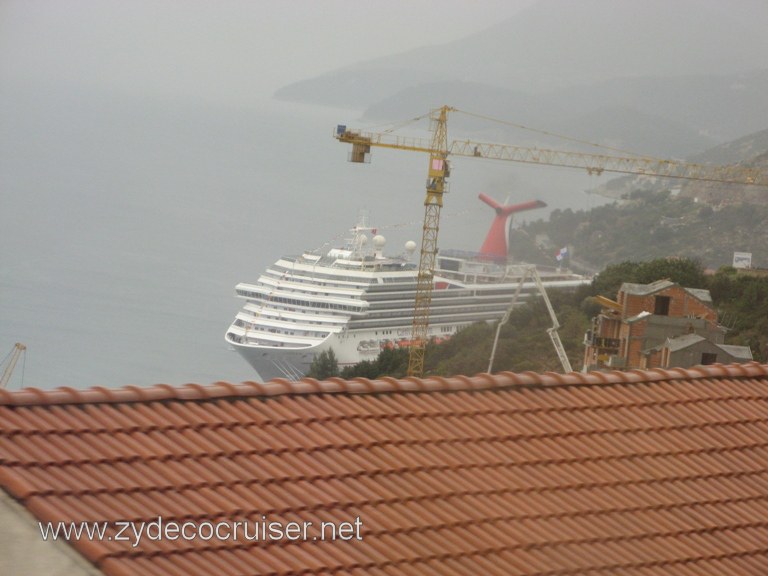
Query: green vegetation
[646,226]
[685,271]
[741,301]
[390,362]
[324,365]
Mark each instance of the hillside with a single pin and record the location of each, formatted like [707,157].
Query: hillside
[646,226]
[746,148]
[594,116]
[657,77]
[750,150]
[559,43]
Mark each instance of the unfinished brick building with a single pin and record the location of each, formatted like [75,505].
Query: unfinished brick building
[658,325]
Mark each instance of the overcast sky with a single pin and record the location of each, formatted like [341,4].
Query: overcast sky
[220,49]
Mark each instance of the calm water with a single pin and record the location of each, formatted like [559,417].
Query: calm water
[125,225]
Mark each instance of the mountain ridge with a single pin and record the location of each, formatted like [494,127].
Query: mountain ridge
[697,63]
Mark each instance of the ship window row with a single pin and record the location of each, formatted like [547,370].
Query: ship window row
[327,305]
[382,290]
[263,342]
[313,290]
[269,303]
[456,308]
[284,321]
[342,282]
[444,328]
[304,319]
[253,328]
[308,316]
[259,329]
[437,303]
[330,277]
[487,316]
[442,295]
[456,311]
[503,300]
[406,292]
[304,310]
[363,279]
[296,302]
[529,288]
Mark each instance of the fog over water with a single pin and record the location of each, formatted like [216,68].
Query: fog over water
[145,170]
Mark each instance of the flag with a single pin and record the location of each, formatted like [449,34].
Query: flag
[561,254]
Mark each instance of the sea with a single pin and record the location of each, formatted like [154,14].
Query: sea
[126,222]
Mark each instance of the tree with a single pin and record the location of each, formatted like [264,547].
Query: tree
[608,282]
[687,272]
[389,362]
[324,365]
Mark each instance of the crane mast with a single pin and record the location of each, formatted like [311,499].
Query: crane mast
[437,182]
[439,149]
[438,172]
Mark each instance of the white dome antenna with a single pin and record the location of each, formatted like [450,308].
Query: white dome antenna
[378,245]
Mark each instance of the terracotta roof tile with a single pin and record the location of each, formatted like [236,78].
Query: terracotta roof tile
[656,472]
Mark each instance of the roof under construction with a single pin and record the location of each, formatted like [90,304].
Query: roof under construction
[659,285]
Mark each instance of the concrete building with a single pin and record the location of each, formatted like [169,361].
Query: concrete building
[693,349]
[658,325]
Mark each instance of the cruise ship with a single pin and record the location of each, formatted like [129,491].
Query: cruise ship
[357,301]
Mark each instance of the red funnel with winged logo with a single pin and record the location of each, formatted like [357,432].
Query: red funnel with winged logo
[495,245]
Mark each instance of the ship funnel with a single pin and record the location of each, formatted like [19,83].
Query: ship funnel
[496,242]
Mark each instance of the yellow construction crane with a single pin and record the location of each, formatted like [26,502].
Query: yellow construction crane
[439,149]
[12,358]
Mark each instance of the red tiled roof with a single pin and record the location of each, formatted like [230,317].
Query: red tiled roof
[657,472]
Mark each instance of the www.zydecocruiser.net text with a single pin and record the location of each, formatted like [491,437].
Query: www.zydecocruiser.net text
[261,530]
